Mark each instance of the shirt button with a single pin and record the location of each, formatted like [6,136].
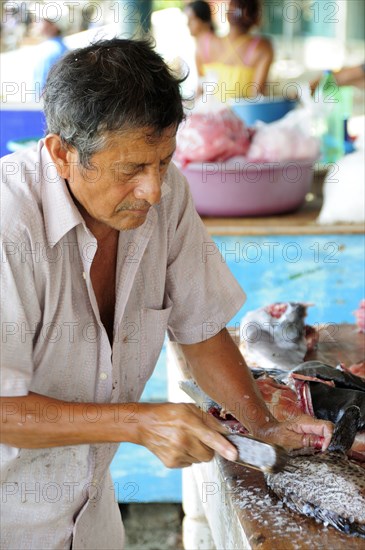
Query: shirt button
[84,275]
[103,376]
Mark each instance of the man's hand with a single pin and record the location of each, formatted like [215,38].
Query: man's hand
[181,434]
[220,370]
[302,431]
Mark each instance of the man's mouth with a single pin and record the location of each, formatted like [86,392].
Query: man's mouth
[138,211]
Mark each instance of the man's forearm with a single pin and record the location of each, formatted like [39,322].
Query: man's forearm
[220,370]
[177,433]
[35,421]
[350,76]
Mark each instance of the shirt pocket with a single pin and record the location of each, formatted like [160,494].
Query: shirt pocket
[153,330]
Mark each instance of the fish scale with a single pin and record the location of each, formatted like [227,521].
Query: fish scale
[327,487]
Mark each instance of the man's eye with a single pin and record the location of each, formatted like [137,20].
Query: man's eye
[128,172]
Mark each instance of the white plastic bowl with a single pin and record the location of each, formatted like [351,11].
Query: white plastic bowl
[238,187]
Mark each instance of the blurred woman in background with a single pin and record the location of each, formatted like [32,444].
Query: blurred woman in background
[201,27]
[51,49]
[240,62]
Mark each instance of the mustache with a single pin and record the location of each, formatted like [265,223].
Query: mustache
[142,205]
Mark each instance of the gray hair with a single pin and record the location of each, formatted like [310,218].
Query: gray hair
[110,87]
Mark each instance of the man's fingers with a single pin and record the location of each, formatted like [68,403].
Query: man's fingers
[327,434]
[218,443]
[316,433]
[182,433]
[215,440]
[311,440]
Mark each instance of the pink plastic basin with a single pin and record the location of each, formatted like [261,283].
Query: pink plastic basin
[238,187]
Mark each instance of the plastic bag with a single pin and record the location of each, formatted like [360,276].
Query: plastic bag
[290,138]
[343,191]
[211,136]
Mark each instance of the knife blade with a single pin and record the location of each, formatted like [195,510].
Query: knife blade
[257,454]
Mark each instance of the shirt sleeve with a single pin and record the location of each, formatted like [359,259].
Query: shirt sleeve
[202,289]
[20,318]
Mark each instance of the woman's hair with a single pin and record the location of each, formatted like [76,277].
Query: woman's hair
[202,11]
[248,13]
[111,86]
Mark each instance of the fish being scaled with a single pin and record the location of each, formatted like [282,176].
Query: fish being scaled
[327,487]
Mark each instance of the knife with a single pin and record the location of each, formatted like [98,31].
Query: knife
[252,452]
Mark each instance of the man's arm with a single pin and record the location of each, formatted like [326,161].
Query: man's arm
[179,434]
[220,370]
[347,76]
[351,76]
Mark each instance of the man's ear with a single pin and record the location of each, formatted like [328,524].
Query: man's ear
[62,157]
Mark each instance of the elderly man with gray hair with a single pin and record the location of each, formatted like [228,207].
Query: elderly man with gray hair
[102,253]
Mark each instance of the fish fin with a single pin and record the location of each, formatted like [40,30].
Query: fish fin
[345,430]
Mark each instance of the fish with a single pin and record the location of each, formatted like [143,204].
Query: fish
[276,336]
[327,487]
[318,389]
[324,392]
[340,376]
[285,403]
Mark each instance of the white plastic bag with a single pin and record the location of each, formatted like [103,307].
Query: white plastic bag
[289,138]
[343,191]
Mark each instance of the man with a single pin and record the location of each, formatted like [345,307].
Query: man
[103,251]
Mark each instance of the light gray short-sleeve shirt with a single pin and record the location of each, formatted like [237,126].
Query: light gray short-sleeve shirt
[170,277]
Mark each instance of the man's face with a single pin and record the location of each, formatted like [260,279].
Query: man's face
[125,180]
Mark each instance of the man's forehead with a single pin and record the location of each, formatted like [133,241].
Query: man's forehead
[146,135]
[134,142]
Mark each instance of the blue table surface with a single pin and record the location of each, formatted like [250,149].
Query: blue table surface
[325,270]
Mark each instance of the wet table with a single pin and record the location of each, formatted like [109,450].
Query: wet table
[228,507]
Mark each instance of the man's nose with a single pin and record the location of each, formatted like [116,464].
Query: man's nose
[149,187]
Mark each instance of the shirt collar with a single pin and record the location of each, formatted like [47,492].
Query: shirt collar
[60,212]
